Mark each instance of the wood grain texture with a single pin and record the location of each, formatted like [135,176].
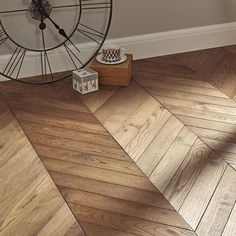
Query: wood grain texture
[200,195]
[205,110]
[230,228]
[220,207]
[176,120]
[188,156]
[27,189]
[103,187]
[171,161]
[137,123]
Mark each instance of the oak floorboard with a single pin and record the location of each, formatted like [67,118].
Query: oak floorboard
[203,106]
[167,66]
[123,166]
[187,174]
[207,124]
[27,189]
[202,114]
[112,115]
[186,95]
[134,123]
[89,167]
[100,139]
[159,146]
[218,212]
[114,205]
[201,192]
[95,100]
[108,176]
[74,145]
[230,228]
[229,158]
[94,229]
[228,147]
[153,84]
[148,198]
[167,167]
[126,223]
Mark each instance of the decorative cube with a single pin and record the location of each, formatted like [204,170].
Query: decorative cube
[85,80]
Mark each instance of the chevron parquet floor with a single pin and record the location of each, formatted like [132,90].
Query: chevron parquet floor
[175,122]
[30,203]
[103,187]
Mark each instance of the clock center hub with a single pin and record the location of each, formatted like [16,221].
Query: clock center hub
[37,7]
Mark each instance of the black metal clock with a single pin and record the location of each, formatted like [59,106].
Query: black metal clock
[47,37]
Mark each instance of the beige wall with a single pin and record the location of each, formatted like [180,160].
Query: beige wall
[138,17]
[135,17]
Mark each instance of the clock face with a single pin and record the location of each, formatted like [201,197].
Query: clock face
[47,37]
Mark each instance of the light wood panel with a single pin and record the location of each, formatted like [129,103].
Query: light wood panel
[220,207]
[30,203]
[210,116]
[159,146]
[230,228]
[104,188]
[184,179]
[217,66]
[185,163]
[200,195]
[171,161]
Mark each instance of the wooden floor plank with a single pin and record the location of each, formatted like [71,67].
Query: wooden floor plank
[173,158]
[185,177]
[126,223]
[200,194]
[230,228]
[91,170]
[113,205]
[123,166]
[159,146]
[111,190]
[131,128]
[220,207]
[70,168]
[27,190]
[94,229]
[102,96]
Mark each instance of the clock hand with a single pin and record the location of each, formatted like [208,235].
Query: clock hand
[43,12]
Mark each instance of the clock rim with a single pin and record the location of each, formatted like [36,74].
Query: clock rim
[48,49]
[71,71]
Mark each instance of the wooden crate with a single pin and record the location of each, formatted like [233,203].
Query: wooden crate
[114,75]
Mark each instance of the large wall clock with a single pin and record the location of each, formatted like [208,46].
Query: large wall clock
[46,37]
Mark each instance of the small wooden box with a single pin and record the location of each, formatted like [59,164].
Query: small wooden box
[114,75]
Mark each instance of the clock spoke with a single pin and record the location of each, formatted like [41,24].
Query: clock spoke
[14,11]
[3,37]
[92,5]
[90,33]
[45,63]
[15,63]
[73,54]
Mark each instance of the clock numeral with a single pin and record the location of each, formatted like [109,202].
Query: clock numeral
[15,63]
[91,5]
[45,63]
[73,53]
[46,68]
[90,33]
[3,37]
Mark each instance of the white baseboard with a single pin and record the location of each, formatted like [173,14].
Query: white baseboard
[156,44]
